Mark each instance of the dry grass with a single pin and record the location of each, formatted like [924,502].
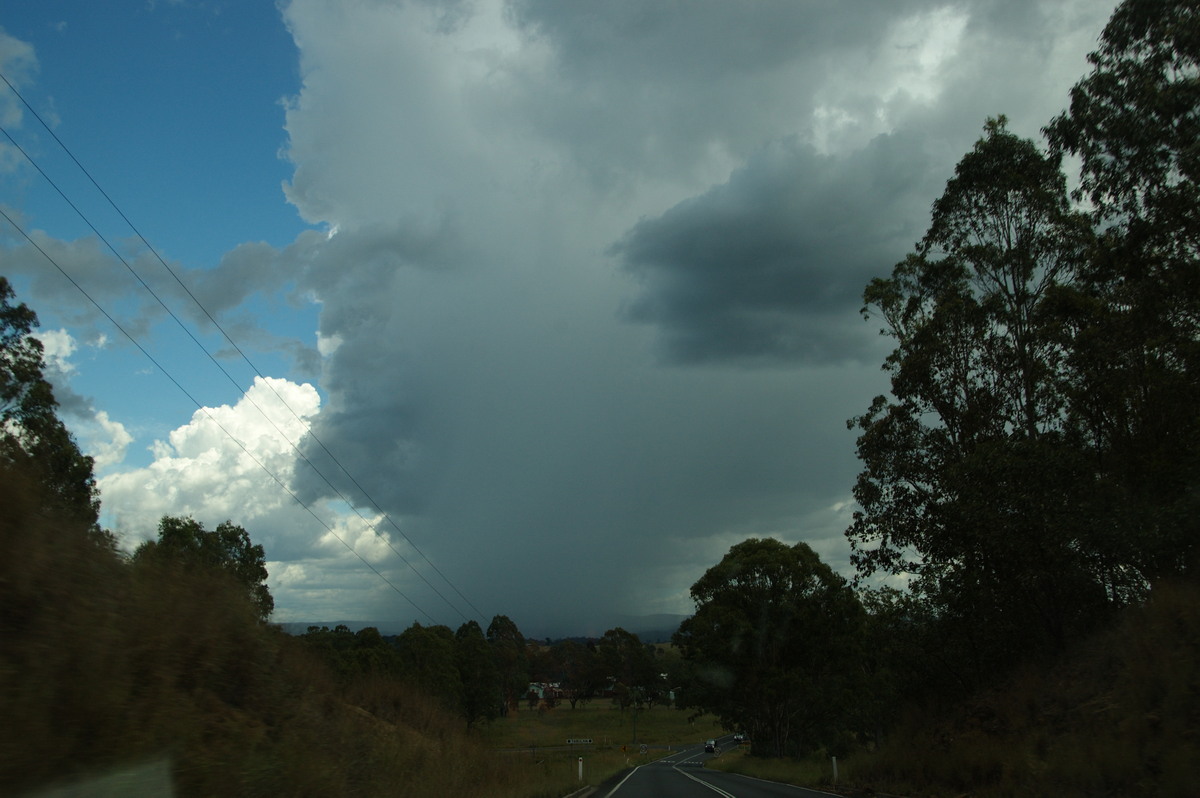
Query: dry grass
[111,670]
[538,739]
[606,725]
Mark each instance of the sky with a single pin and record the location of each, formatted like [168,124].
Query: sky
[477,307]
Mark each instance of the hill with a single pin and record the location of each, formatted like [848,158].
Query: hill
[127,674]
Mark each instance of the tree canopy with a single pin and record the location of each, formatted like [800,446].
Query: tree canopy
[1037,464]
[1132,321]
[971,481]
[33,439]
[771,645]
[226,549]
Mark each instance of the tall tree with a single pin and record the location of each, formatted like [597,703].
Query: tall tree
[579,672]
[429,660]
[772,645]
[478,672]
[33,438]
[226,549]
[970,482]
[1133,322]
[624,658]
[512,660]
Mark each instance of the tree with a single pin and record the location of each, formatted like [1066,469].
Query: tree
[512,660]
[478,672]
[623,658]
[33,439]
[772,646]
[971,482]
[429,659]
[578,670]
[227,549]
[1133,320]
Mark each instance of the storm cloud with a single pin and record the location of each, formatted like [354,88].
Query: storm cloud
[586,281]
[772,264]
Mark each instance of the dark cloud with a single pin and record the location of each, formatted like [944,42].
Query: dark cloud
[771,265]
[746,166]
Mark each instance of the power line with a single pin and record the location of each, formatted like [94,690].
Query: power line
[204,410]
[244,357]
[230,377]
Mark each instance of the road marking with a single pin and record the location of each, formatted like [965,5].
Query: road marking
[712,787]
[628,775]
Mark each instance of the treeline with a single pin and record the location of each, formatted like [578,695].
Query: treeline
[483,676]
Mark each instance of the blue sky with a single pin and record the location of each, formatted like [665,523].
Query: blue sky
[195,90]
[570,291]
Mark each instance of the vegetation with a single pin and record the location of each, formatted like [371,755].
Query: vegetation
[107,664]
[772,645]
[1035,469]
[1030,486]
[160,666]
[226,551]
[33,439]
[1114,717]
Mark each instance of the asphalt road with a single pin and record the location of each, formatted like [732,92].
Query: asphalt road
[683,775]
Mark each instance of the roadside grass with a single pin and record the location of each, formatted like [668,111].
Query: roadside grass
[558,768]
[606,725]
[815,771]
[536,740]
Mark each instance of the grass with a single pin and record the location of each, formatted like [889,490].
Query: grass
[815,771]
[532,737]
[538,739]
[111,671]
[605,724]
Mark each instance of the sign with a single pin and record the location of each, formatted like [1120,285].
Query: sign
[580,741]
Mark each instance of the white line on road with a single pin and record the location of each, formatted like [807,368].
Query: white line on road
[622,781]
[712,787]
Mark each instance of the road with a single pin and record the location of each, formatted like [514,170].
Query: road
[683,775]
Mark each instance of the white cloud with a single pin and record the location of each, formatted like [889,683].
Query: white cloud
[226,463]
[106,441]
[19,63]
[57,348]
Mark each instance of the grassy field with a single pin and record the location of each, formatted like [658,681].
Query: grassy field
[538,740]
[606,725]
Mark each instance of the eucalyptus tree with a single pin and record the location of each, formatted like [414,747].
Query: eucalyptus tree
[512,661]
[227,550]
[971,484]
[478,672]
[772,646]
[33,439]
[1133,320]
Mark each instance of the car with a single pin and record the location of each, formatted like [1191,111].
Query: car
[710,747]
[739,737]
